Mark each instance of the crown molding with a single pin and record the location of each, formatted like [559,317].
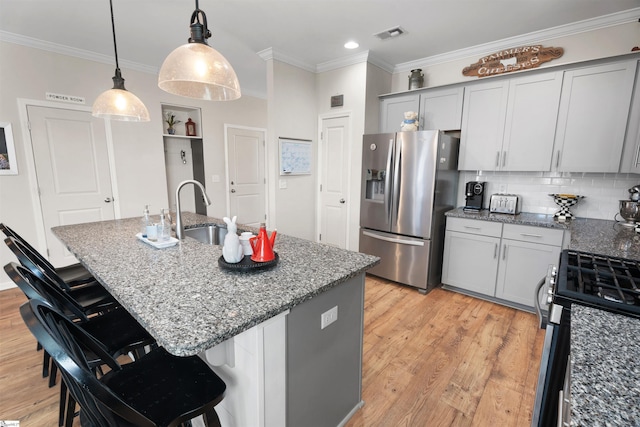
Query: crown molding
[6,36]
[334,64]
[270,53]
[597,23]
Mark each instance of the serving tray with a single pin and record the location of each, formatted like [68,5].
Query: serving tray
[159,245]
[247,265]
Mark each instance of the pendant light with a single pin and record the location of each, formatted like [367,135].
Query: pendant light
[118,103]
[196,70]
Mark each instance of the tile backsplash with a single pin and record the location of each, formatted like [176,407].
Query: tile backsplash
[602,191]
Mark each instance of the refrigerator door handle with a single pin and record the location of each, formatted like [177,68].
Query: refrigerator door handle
[394,239]
[387,183]
[397,171]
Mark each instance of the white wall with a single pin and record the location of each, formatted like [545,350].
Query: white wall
[28,73]
[291,94]
[350,81]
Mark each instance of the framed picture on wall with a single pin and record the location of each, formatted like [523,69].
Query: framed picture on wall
[8,161]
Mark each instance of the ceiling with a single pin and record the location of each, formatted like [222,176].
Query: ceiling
[308,33]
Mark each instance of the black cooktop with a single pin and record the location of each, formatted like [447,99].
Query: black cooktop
[600,281]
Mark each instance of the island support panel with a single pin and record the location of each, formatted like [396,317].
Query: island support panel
[324,366]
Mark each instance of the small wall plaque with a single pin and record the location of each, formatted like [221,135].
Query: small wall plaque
[515,59]
[337,101]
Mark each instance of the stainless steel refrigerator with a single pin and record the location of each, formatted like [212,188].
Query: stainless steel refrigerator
[409,180]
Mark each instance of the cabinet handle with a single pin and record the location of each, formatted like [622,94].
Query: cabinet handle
[495,251]
[531,235]
[637,155]
[497,159]
[504,158]
[558,160]
[504,253]
[471,228]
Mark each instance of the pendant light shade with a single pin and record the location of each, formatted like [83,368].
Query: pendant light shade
[196,70]
[118,103]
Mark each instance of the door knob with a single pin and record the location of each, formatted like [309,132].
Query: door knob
[233,191]
[107,200]
[342,200]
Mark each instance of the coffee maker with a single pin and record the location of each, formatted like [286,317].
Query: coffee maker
[474,195]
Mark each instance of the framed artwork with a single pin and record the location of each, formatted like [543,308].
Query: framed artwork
[295,156]
[8,161]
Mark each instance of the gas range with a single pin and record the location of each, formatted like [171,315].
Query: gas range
[599,281]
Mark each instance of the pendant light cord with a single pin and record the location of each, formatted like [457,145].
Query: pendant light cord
[113,31]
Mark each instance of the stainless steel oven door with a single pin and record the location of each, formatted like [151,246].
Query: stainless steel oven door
[553,365]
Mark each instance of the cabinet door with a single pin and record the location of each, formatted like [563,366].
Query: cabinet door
[522,266]
[483,119]
[532,113]
[594,107]
[441,108]
[470,262]
[392,111]
[631,153]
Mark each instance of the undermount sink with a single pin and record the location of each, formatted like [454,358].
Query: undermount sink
[210,234]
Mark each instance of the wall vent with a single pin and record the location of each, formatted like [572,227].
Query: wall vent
[391,32]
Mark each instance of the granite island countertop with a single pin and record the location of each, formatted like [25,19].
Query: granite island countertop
[605,374]
[586,234]
[183,298]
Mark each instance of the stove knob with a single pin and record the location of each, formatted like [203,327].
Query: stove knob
[549,299]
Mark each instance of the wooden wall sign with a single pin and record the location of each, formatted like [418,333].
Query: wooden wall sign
[515,59]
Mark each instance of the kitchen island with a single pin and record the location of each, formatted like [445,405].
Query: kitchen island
[253,328]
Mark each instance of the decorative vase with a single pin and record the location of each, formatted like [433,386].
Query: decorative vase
[190,127]
[171,131]
[416,79]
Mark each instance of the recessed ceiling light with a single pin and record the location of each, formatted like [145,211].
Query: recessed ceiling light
[351,45]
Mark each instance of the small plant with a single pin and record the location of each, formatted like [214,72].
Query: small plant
[170,119]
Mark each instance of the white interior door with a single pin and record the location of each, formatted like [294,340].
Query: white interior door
[72,166]
[334,181]
[246,175]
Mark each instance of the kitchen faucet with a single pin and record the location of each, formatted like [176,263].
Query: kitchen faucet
[179,226]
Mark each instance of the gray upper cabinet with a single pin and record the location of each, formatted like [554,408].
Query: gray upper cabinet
[483,117]
[509,124]
[438,109]
[594,108]
[532,112]
[631,153]
[441,108]
[392,110]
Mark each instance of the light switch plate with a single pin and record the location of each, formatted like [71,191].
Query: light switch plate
[282,183]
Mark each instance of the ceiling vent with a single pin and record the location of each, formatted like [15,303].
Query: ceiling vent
[391,32]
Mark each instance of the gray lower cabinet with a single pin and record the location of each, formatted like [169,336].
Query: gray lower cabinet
[502,262]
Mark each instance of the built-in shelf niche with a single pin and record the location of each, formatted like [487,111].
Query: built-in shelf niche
[184,157]
[183,114]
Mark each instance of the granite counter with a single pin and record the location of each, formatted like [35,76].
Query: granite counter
[183,298]
[605,374]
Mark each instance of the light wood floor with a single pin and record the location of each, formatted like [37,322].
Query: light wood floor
[443,359]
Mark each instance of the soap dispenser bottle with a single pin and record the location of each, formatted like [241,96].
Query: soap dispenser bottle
[145,221]
[164,233]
